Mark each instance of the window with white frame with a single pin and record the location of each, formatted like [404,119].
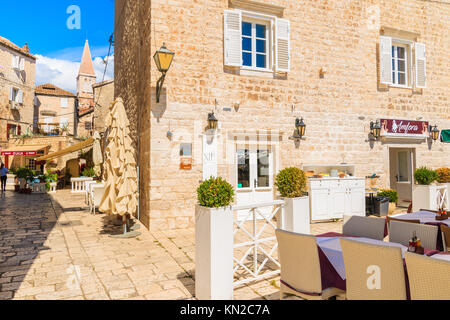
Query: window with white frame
[15,95]
[64,102]
[402,63]
[256,41]
[255,44]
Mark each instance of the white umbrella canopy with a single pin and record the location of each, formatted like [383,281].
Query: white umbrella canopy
[120,195]
[97,156]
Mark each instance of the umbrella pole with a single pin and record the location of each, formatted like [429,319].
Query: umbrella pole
[124,222]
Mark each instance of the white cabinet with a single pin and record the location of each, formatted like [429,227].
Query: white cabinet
[334,198]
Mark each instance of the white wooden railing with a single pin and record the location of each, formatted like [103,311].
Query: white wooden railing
[442,197]
[259,217]
[78,184]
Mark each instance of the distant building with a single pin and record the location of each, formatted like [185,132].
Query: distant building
[85,94]
[17,84]
[56,110]
[103,97]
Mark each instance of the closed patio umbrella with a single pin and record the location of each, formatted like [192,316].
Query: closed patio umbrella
[97,156]
[120,195]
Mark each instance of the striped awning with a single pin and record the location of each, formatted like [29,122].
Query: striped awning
[31,150]
[77,147]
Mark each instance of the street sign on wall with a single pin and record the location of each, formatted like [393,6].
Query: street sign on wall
[404,128]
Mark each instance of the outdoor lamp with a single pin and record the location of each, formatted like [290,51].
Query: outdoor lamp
[212,121]
[301,127]
[163,59]
[375,129]
[434,132]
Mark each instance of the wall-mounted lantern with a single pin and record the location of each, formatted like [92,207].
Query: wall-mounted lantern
[301,128]
[434,132]
[375,129]
[212,122]
[163,59]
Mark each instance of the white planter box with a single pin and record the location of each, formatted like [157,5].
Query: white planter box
[297,215]
[425,197]
[214,253]
[10,181]
[448,193]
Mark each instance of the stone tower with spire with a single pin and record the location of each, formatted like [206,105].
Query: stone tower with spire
[85,79]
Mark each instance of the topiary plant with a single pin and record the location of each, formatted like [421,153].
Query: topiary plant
[389,193]
[425,176]
[291,183]
[443,175]
[215,193]
[24,173]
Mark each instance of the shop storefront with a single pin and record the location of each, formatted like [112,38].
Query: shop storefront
[25,156]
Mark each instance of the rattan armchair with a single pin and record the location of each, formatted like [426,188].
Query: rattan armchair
[300,268]
[429,278]
[373,272]
[368,227]
[402,232]
[445,230]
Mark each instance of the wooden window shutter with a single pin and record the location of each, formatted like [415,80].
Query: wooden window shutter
[20,96]
[19,130]
[233,38]
[421,72]
[22,64]
[8,128]
[385,60]
[282,45]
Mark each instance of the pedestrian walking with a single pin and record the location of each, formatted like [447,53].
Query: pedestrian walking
[3,177]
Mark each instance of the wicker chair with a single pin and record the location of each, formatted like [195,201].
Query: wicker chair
[365,261]
[389,219]
[429,278]
[402,232]
[300,267]
[445,237]
[364,227]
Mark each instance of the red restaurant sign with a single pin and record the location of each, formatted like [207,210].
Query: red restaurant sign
[19,153]
[404,128]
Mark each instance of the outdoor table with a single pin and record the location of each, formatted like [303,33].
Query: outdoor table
[332,261]
[426,217]
[442,256]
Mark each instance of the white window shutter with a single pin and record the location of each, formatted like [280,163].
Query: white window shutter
[64,102]
[20,97]
[421,70]
[282,45]
[233,38]
[385,60]
[11,94]
[22,64]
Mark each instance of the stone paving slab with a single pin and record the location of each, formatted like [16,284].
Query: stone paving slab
[52,248]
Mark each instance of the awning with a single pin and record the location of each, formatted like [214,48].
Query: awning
[24,150]
[74,148]
[445,136]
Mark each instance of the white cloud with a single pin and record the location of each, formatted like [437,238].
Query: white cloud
[63,73]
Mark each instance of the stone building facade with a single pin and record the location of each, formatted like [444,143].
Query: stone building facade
[55,106]
[103,97]
[339,65]
[17,83]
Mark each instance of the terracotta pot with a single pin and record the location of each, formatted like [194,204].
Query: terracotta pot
[392,207]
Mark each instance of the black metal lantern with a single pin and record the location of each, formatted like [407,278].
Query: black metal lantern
[375,129]
[434,133]
[301,127]
[212,122]
[163,59]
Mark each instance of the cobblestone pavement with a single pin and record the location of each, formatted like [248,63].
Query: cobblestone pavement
[51,247]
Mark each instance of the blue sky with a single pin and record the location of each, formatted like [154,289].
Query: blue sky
[43,25]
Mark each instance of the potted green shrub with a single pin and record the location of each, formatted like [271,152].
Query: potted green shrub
[214,240]
[444,180]
[292,186]
[23,174]
[424,191]
[393,198]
